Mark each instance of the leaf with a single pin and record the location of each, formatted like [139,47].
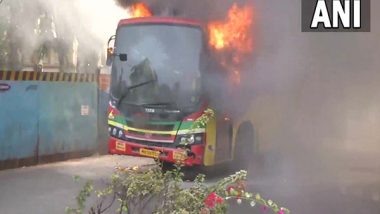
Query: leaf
[258,197]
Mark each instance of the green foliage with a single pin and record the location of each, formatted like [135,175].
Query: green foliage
[151,190]
[81,198]
[204,119]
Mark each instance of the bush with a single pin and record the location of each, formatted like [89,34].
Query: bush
[135,190]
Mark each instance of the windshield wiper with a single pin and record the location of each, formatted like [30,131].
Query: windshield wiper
[160,104]
[133,87]
[141,84]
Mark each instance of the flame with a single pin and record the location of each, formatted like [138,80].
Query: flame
[233,36]
[235,32]
[140,10]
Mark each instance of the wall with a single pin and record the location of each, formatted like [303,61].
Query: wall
[46,115]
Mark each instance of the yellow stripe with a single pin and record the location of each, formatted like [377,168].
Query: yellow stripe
[210,148]
[19,75]
[66,77]
[27,76]
[61,77]
[49,76]
[41,76]
[13,75]
[55,75]
[113,123]
[121,126]
[191,131]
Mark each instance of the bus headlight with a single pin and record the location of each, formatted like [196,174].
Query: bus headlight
[198,138]
[190,139]
[120,134]
[183,140]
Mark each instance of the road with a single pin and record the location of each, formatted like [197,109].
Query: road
[51,188]
[309,187]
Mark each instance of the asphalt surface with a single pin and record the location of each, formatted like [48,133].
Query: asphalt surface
[350,188]
[51,188]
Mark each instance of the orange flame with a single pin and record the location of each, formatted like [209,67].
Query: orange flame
[140,10]
[235,32]
[234,36]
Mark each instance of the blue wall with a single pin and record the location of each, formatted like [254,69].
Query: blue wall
[18,121]
[44,118]
[103,120]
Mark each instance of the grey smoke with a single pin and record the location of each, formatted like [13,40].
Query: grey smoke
[313,97]
[316,110]
[203,10]
[90,24]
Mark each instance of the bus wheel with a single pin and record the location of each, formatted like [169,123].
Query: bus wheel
[244,148]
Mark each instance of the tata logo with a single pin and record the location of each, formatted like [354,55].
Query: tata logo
[149,110]
[336,15]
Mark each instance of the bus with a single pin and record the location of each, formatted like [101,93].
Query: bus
[161,84]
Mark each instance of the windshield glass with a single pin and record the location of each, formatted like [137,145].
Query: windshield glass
[162,66]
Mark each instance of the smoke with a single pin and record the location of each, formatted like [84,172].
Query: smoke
[312,97]
[207,11]
[79,28]
[316,112]
[314,102]
[323,86]
[203,10]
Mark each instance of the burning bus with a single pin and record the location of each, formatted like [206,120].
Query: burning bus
[160,81]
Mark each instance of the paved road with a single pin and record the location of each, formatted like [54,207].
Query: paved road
[311,187]
[50,188]
[353,189]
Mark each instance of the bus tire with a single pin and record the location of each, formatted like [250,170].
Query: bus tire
[244,148]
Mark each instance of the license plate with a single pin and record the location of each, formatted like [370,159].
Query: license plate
[120,146]
[179,156]
[149,153]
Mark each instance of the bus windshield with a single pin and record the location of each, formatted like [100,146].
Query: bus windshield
[163,65]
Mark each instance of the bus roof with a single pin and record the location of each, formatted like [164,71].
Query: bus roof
[159,20]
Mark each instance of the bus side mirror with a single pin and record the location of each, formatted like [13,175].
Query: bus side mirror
[110,50]
[109,56]
[123,57]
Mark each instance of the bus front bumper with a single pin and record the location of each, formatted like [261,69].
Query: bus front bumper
[190,157]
